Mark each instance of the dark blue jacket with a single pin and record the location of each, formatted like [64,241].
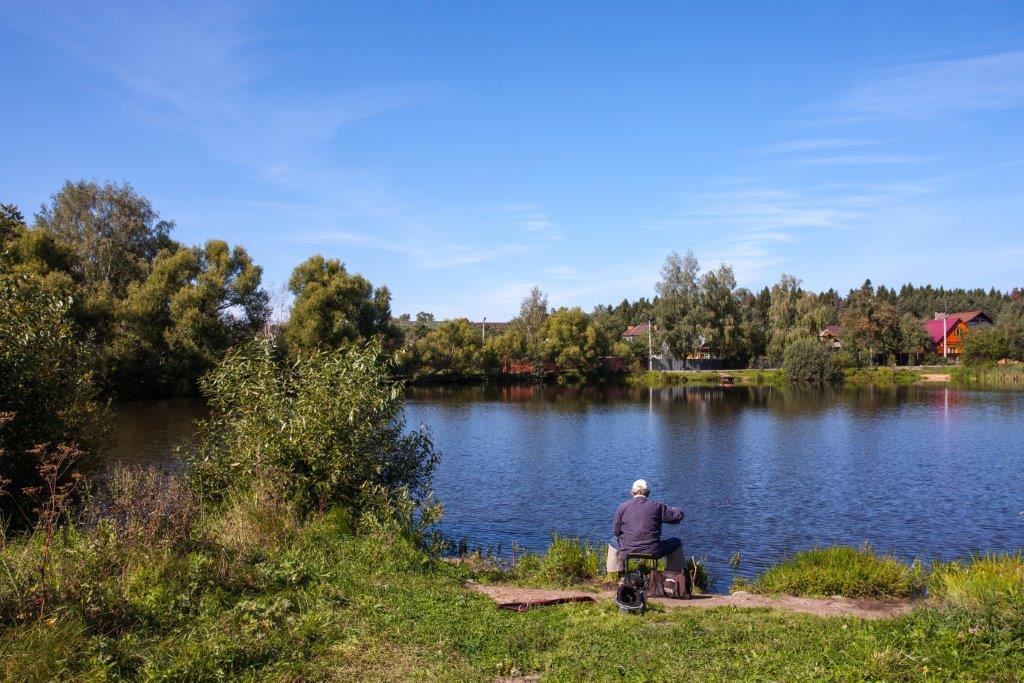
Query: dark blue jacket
[638,522]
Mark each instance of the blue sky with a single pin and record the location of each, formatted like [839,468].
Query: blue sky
[463,152]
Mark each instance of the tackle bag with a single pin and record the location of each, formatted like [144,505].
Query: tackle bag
[675,585]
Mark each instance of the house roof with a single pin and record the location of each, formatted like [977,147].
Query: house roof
[832,330]
[934,327]
[636,330]
[968,316]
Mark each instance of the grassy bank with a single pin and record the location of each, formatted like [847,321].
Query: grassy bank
[990,376]
[253,593]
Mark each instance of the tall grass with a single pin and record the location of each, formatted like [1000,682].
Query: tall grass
[981,583]
[989,375]
[567,561]
[840,570]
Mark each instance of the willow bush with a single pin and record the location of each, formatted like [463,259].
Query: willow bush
[47,396]
[326,429]
[807,361]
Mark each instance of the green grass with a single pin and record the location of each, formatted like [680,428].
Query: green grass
[990,376]
[881,376]
[668,379]
[314,601]
[776,377]
[984,582]
[840,570]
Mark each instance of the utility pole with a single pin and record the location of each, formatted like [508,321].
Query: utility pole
[483,331]
[650,347]
[945,335]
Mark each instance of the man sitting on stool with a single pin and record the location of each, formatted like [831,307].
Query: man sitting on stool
[637,531]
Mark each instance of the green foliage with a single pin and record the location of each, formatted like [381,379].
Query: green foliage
[177,324]
[455,348]
[10,220]
[112,231]
[159,313]
[840,570]
[807,361]
[679,315]
[994,376]
[47,396]
[985,345]
[327,429]
[572,342]
[334,308]
[793,314]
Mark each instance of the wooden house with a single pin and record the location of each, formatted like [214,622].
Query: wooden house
[952,330]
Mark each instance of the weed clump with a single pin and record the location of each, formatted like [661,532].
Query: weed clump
[840,570]
[567,561]
[980,584]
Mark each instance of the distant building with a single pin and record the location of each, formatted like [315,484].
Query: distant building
[497,328]
[701,359]
[636,331]
[952,330]
[971,318]
[830,335]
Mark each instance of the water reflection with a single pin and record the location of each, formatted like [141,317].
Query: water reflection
[149,432]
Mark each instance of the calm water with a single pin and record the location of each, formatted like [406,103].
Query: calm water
[921,472]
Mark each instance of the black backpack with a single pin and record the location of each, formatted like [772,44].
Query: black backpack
[631,596]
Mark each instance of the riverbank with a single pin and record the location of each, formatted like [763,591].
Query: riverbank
[254,593]
[968,377]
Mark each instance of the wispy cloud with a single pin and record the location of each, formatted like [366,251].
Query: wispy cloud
[753,226]
[425,254]
[812,144]
[938,88]
[194,67]
[864,160]
[563,272]
[196,64]
[533,218]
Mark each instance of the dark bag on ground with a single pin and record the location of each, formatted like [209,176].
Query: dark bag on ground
[668,585]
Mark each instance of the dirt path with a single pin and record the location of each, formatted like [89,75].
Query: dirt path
[822,607]
[935,377]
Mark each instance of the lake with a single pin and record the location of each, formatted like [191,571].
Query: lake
[929,472]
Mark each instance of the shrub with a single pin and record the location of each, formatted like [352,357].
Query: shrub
[985,345]
[47,396]
[840,570]
[807,361]
[329,426]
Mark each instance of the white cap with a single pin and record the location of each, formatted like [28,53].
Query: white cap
[640,485]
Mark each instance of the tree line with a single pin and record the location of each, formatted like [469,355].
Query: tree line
[695,312]
[158,314]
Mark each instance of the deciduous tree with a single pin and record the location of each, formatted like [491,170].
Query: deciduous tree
[334,308]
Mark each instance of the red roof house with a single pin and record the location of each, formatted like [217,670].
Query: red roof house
[952,329]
